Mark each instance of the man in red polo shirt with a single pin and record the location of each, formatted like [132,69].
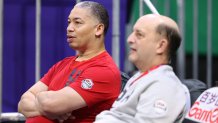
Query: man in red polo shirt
[82,85]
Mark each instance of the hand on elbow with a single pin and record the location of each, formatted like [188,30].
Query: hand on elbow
[44,104]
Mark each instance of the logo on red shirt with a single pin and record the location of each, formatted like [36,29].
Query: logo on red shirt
[87,84]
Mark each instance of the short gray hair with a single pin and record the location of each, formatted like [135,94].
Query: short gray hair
[98,11]
[172,36]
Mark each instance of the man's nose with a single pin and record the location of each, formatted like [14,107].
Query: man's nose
[70,28]
[130,39]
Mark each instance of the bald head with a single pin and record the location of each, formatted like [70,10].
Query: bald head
[165,27]
[156,20]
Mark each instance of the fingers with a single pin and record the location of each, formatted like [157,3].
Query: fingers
[61,121]
[72,117]
[64,117]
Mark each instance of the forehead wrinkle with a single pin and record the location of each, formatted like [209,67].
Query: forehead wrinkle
[137,27]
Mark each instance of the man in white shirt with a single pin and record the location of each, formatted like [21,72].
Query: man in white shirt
[154,94]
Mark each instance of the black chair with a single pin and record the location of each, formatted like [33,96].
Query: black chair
[196,88]
[124,80]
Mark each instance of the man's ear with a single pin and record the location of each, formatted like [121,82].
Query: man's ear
[99,29]
[162,46]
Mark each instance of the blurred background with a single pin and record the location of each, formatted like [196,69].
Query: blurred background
[33,38]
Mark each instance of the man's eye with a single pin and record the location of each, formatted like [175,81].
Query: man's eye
[77,22]
[139,35]
[68,22]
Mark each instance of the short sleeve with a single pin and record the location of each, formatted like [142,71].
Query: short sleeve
[98,83]
[46,79]
[55,69]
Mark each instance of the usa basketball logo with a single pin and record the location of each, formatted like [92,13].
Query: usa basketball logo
[87,84]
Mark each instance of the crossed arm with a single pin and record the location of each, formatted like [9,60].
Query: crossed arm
[51,104]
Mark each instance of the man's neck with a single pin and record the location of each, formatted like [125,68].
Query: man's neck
[145,67]
[82,56]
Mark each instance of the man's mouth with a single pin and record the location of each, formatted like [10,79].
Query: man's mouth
[132,49]
[70,38]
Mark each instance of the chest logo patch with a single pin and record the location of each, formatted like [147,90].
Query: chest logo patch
[160,106]
[87,84]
